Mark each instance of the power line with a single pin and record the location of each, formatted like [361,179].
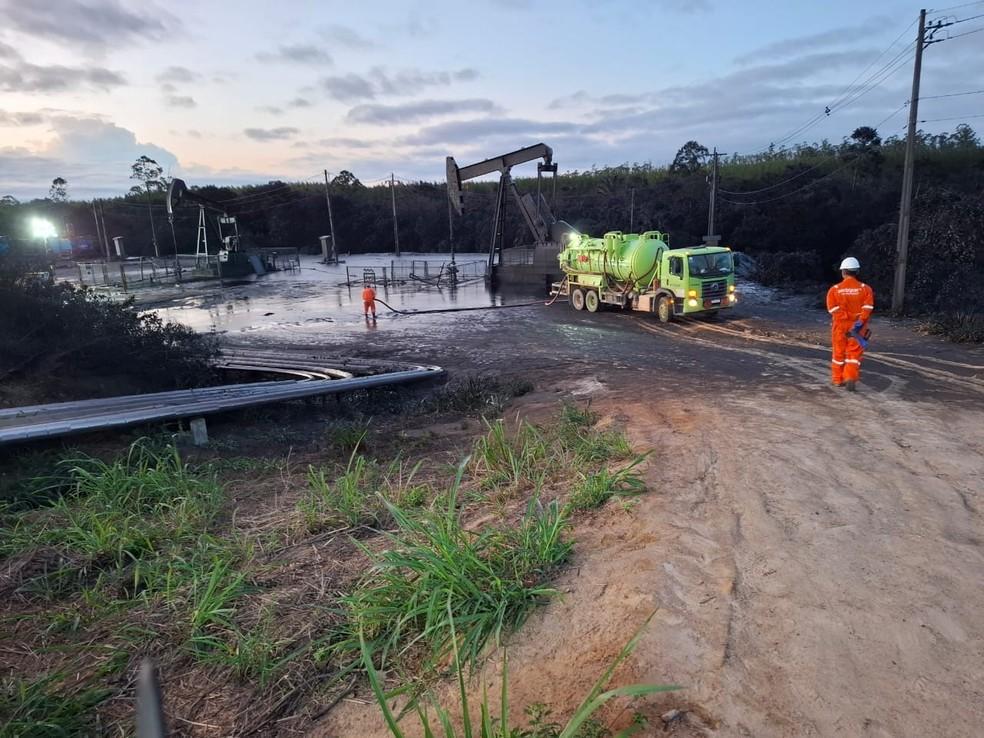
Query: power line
[964,20]
[891,115]
[965,33]
[956,7]
[800,189]
[777,184]
[952,94]
[958,117]
[836,103]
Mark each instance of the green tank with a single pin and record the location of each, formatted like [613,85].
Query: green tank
[622,257]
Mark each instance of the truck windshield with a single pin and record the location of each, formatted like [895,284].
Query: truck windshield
[710,265]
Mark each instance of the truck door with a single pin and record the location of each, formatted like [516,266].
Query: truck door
[675,278]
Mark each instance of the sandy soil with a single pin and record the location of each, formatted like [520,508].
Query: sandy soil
[814,558]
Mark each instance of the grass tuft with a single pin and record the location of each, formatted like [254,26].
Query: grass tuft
[594,490]
[511,461]
[491,578]
[40,710]
[582,723]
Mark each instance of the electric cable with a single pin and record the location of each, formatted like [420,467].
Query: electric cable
[793,192]
[958,117]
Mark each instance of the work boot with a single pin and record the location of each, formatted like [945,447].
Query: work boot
[852,385]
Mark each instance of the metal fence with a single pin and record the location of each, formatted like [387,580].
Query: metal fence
[132,271]
[516,257]
[437,273]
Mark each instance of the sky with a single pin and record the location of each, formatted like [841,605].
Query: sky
[248,92]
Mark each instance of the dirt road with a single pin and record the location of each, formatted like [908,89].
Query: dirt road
[815,557]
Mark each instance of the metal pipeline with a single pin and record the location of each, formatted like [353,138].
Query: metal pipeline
[67,418]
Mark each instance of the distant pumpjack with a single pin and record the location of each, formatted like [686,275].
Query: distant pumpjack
[536,212]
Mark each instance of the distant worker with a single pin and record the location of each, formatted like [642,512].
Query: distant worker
[369,301]
[850,303]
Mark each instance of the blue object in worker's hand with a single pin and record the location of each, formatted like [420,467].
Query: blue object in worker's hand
[859,334]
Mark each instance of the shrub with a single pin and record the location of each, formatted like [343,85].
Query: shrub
[60,331]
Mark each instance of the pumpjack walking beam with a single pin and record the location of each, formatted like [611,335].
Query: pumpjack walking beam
[537,216]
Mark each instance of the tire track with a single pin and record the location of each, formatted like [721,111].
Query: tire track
[939,375]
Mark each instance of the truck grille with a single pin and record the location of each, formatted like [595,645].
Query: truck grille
[715,290]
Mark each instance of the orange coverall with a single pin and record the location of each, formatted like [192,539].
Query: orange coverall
[847,302]
[369,300]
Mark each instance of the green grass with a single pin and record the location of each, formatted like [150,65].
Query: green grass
[586,444]
[512,460]
[581,724]
[348,498]
[346,437]
[112,517]
[492,578]
[38,709]
[594,490]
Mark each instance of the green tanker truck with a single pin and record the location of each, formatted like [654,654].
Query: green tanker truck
[641,272]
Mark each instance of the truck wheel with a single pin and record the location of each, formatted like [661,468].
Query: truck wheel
[577,299]
[591,301]
[664,309]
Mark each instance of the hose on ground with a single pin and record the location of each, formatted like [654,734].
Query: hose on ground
[457,310]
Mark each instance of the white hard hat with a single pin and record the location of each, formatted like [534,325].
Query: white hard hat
[851,264]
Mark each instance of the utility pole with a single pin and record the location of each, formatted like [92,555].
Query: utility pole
[632,211]
[102,219]
[153,230]
[95,216]
[331,221]
[396,230]
[711,239]
[905,206]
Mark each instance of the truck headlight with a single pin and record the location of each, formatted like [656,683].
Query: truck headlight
[731,288]
[692,293]
[733,298]
[692,302]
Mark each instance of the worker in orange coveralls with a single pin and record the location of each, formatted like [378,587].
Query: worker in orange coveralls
[850,304]
[369,301]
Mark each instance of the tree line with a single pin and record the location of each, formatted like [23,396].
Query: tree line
[802,207]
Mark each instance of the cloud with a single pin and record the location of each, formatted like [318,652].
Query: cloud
[418,110]
[413,81]
[346,143]
[177,75]
[90,23]
[379,82]
[93,155]
[271,109]
[836,37]
[23,76]
[271,134]
[181,101]
[299,102]
[414,26]
[20,119]
[298,54]
[8,52]
[346,37]
[466,131]
[348,88]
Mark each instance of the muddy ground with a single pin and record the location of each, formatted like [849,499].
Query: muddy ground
[814,557]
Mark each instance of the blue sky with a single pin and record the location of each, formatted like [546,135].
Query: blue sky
[251,91]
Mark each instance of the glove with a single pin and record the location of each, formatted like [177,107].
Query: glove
[857,326]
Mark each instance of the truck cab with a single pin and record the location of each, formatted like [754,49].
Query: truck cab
[698,279]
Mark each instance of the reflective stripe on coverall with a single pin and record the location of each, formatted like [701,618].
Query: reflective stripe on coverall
[847,302]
